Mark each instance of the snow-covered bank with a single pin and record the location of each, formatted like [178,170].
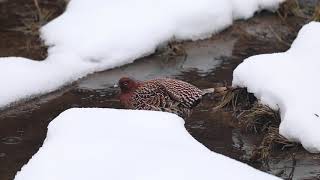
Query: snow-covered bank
[289,81]
[126,144]
[21,77]
[99,34]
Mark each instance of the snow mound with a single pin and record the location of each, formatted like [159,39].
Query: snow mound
[289,81]
[113,33]
[127,144]
[97,35]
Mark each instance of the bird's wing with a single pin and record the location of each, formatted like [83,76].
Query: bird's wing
[183,92]
[151,96]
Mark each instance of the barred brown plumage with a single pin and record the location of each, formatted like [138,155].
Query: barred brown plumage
[169,95]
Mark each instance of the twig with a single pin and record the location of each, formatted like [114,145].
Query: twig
[36,3]
[278,37]
[294,163]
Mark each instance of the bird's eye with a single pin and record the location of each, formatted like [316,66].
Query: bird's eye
[125,84]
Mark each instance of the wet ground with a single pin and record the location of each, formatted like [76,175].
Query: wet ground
[206,64]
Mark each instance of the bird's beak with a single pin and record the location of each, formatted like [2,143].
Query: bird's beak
[115,85]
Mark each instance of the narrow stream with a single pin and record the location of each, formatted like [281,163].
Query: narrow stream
[207,63]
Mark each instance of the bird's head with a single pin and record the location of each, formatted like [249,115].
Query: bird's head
[127,84]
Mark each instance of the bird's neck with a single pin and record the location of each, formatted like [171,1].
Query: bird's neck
[126,95]
[125,98]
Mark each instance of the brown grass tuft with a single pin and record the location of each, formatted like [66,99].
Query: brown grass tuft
[289,8]
[235,98]
[34,20]
[316,14]
[271,141]
[259,118]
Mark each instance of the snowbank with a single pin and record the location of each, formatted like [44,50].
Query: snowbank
[21,77]
[289,81]
[97,35]
[126,144]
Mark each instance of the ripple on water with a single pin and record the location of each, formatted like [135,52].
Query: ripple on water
[198,125]
[2,155]
[11,140]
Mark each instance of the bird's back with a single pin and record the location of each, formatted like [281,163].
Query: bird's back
[168,95]
[180,91]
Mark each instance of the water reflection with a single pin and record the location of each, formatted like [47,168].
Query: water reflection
[203,58]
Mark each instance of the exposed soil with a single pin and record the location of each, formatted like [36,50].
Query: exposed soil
[207,63]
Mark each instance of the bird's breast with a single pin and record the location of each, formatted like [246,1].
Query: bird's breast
[125,100]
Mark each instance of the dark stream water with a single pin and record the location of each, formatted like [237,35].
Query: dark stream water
[207,63]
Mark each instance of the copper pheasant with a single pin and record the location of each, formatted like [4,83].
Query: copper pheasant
[169,95]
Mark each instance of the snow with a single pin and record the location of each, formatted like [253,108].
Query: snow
[96,35]
[289,81]
[21,77]
[127,144]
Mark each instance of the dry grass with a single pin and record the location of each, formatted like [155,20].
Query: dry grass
[257,118]
[293,8]
[271,141]
[279,38]
[33,20]
[28,18]
[31,25]
[234,98]
[316,14]
[290,8]
[176,49]
[172,49]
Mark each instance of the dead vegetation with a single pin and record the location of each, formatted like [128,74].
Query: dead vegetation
[255,117]
[293,8]
[31,24]
[316,14]
[290,8]
[272,140]
[26,18]
[259,118]
[34,20]
[172,49]
[234,99]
